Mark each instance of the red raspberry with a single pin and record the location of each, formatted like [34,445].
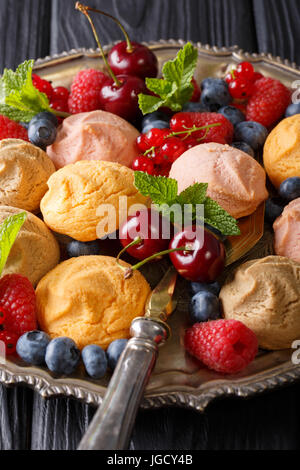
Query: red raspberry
[222,134]
[10,340]
[17,298]
[60,93]
[42,85]
[85,91]
[12,130]
[226,346]
[268,102]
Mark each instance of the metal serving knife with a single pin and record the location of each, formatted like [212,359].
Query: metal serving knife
[112,425]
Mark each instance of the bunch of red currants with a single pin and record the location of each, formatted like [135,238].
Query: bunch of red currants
[240,80]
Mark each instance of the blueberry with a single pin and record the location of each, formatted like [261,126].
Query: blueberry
[95,361]
[156,116]
[290,189]
[234,115]
[292,109]
[45,115]
[274,209]
[32,346]
[207,82]
[244,148]
[62,356]
[196,287]
[155,125]
[251,132]
[191,107]
[42,133]
[76,249]
[114,352]
[204,306]
[215,94]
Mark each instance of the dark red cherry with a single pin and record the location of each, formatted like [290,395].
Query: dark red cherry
[196,93]
[153,230]
[122,99]
[139,61]
[202,262]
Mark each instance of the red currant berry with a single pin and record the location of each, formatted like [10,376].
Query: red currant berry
[230,76]
[164,170]
[257,76]
[156,137]
[60,105]
[190,143]
[60,93]
[143,163]
[241,88]
[173,148]
[245,70]
[142,143]
[153,230]
[42,85]
[206,260]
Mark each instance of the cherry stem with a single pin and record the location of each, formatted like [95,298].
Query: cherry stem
[129,45]
[129,271]
[84,9]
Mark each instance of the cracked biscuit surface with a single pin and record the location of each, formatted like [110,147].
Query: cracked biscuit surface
[89,300]
[24,172]
[264,294]
[76,203]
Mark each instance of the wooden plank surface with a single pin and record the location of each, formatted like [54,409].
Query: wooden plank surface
[35,28]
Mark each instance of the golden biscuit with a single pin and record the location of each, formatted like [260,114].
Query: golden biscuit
[24,172]
[88,299]
[282,151]
[78,191]
[264,294]
[35,251]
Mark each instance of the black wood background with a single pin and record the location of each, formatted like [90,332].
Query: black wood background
[36,28]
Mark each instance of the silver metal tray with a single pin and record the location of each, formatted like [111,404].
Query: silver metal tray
[178,379]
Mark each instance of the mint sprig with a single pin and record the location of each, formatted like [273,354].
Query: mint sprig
[19,99]
[9,231]
[176,88]
[164,193]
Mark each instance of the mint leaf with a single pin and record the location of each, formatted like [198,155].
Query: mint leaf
[217,217]
[195,194]
[181,71]
[175,88]
[149,104]
[19,99]
[160,189]
[9,231]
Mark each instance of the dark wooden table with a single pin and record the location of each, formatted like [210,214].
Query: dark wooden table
[36,28]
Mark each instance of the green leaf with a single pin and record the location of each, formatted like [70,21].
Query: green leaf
[149,104]
[195,194]
[181,70]
[161,87]
[9,231]
[160,189]
[19,99]
[176,87]
[217,217]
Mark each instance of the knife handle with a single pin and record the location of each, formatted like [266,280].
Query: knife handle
[112,424]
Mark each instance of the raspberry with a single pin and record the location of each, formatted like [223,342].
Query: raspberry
[268,102]
[42,85]
[17,298]
[226,346]
[222,134]
[12,130]
[85,91]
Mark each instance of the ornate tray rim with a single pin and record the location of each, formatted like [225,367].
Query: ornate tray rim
[196,399]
